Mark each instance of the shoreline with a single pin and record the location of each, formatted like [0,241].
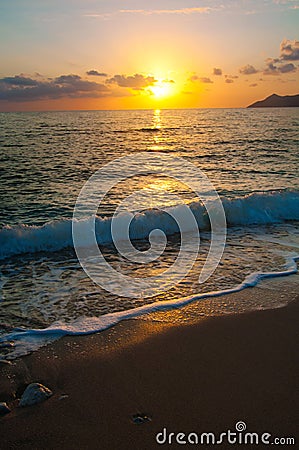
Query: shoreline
[189,377]
[193,308]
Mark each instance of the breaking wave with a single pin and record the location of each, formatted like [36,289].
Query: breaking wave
[257,208]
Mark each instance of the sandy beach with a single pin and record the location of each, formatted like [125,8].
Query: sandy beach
[203,377]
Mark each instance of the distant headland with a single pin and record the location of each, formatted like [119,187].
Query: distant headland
[277,101]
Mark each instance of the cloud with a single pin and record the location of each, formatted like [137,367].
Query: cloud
[248,70]
[150,12]
[253,85]
[289,50]
[229,80]
[185,11]
[98,16]
[231,77]
[270,69]
[286,4]
[168,81]
[95,73]
[68,79]
[19,88]
[194,78]
[286,68]
[205,80]
[273,69]
[136,82]
[217,71]
[19,80]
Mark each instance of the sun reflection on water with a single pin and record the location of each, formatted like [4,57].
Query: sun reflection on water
[157,118]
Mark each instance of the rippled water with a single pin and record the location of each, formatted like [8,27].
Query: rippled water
[250,156]
[46,157]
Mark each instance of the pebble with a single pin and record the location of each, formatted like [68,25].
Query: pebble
[35,393]
[4,361]
[4,409]
[139,419]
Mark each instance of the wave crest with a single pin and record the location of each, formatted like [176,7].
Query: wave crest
[257,208]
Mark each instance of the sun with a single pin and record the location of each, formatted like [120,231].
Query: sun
[161,89]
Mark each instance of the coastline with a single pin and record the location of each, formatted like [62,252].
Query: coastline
[195,377]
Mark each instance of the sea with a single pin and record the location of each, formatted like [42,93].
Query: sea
[248,159]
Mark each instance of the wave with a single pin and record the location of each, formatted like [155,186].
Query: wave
[148,129]
[23,341]
[154,129]
[257,208]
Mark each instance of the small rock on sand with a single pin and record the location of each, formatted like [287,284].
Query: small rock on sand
[35,393]
[4,409]
[139,419]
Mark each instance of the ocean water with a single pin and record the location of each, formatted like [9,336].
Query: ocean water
[249,155]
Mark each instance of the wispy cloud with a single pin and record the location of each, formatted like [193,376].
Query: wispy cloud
[151,12]
[286,3]
[98,15]
[224,7]
[198,10]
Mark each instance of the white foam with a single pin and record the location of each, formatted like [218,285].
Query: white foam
[257,208]
[26,341]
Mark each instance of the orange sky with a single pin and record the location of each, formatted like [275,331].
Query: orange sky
[124,55]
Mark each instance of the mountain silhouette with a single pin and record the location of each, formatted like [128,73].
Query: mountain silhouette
[277,101]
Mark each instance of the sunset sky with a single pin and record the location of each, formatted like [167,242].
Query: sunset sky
[97,54]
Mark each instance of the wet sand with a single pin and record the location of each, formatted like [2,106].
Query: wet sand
[203,377]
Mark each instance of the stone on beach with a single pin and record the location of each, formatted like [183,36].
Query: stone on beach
[4,409]
[35,393]
[139,419]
